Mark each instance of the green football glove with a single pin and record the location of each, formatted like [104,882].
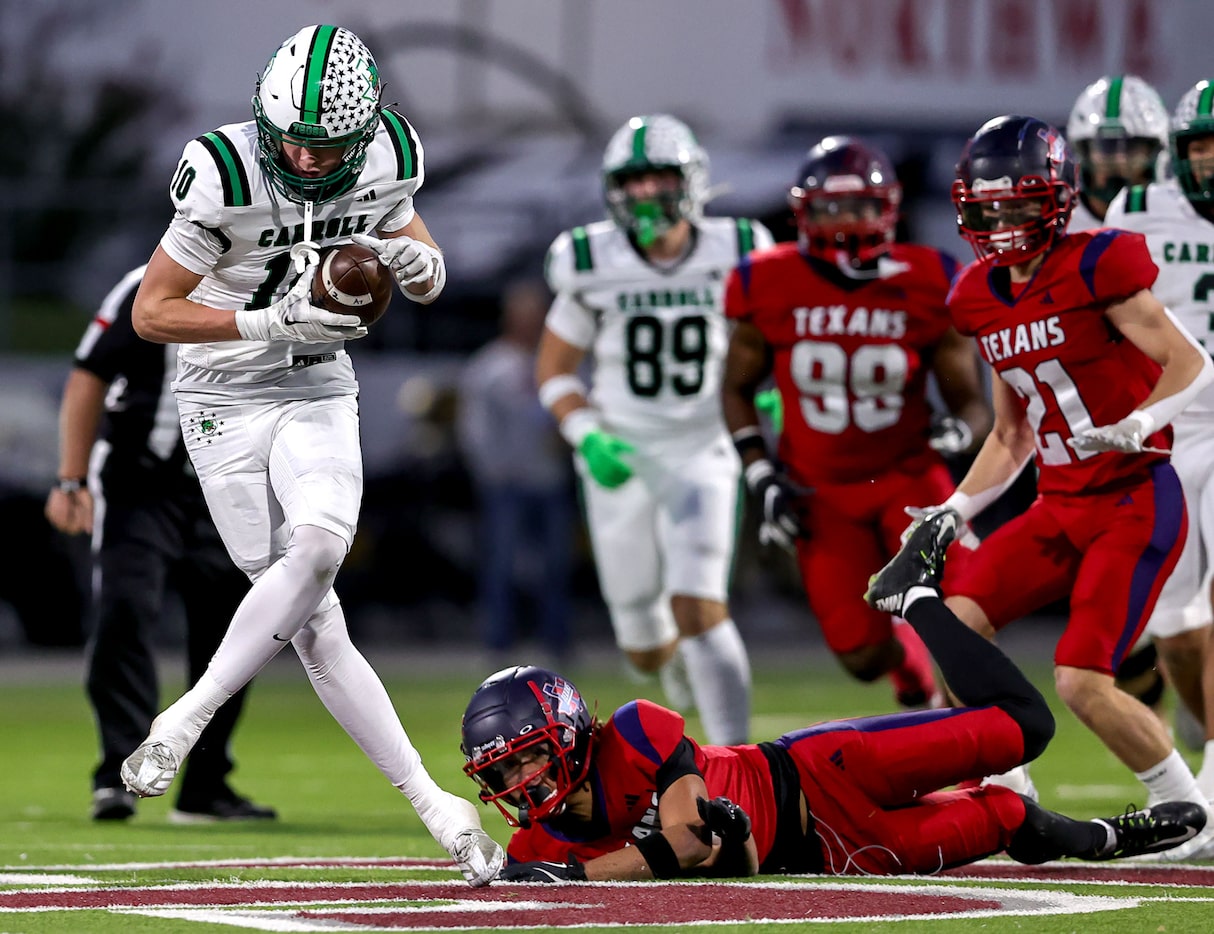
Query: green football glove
[602,452]
[770,403]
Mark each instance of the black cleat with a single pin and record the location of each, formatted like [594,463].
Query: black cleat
[113,804]
[226,807]
[1154,829]
[919,563]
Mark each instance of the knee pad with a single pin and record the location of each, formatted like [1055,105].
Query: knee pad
[316,552]
[642,628]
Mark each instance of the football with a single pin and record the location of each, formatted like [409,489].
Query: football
[351,280]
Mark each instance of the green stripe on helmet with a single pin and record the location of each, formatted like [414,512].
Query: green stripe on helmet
[232,175]
[638,143]
[1206,101]
[314,73]
[1112,104]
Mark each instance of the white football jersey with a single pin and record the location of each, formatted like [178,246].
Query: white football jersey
[1181,242]
[235,230]
[658,334]
[1083,219]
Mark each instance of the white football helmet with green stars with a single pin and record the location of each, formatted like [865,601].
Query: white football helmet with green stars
[321,89]
[1118,120]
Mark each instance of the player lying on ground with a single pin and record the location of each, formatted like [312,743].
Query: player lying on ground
[636,798]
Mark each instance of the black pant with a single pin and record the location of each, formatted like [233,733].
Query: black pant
[157,536]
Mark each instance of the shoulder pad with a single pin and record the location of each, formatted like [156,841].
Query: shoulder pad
[569,255]
[209,177]
[410,157]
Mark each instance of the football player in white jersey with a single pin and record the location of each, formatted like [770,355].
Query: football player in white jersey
[267,394]
[1118,129]
[1177,218]
[642,293]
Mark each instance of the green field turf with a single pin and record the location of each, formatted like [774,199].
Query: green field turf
[333,803]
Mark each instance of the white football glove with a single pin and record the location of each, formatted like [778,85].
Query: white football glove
[410,261]
[965,535]
[1126,436]
[294,318]
[950,435]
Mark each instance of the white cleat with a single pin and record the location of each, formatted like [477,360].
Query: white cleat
[478,856]
[676,683]
[150,769]
[1017,779]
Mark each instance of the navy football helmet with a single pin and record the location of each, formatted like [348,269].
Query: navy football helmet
[846,200]
[524,725]
[1015,189]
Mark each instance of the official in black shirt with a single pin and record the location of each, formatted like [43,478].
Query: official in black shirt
[131,485]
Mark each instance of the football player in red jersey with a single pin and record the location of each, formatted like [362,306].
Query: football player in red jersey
[636,798]
[1090,369]
[850,324]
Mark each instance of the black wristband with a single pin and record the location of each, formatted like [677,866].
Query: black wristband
[69,484]
[749,438]
[659,854]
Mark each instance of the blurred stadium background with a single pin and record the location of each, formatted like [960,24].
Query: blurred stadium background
[514,100]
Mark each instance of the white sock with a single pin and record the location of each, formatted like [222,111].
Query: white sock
[916,593]
[719,670]
[354,694]
[180,724]
[1205,778]
[1171,780]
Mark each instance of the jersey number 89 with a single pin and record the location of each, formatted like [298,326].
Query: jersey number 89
[647,361]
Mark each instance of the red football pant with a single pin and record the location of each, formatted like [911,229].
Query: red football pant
[873,788]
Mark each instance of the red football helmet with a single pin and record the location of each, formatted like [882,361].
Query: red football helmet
[1015,189]
[527,736]
[846,200]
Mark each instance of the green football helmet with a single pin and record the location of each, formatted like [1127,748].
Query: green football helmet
[648,144]
[321,90]
[1194,117]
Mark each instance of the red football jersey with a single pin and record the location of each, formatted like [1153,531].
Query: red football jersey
[1053,344]
[849,355]
[630,748]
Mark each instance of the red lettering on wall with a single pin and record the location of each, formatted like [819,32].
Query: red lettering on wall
[959,36]
[910,50]
[1140,41]
[1080,34]
[1011,39]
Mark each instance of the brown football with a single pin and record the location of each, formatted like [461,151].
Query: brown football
[351,280]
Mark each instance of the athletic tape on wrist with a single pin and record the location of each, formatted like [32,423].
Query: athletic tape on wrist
[559,386]
[749,438]
[660,856]
[577,424]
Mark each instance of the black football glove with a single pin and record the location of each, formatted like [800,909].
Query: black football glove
[777,496]
[725,819]
[543,871]
[731,825]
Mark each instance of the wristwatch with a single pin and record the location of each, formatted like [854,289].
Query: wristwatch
[69,484]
